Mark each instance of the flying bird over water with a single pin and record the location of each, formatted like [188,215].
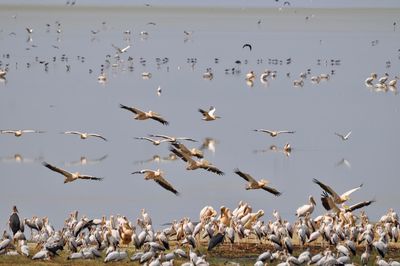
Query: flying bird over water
[121,50]
[157,176]
[140,115]
[344,137]
[248,46]
[209,115]
[274,133]
[84,135]
[193,165]
[70,177]
[254,184]
[337,199]
[191,152]
[172,139]
[20,132]
[155,142]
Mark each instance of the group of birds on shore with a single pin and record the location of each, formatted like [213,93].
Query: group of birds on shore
[339,233]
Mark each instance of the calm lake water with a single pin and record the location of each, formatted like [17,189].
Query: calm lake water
[348,44]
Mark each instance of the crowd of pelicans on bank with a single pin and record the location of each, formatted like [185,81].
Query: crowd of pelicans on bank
[333,238]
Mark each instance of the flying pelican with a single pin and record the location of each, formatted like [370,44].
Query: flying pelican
[140,115]
[119,50]
[155,142]
[157,176]
[84,135]
[192,164]
[254,184]
[69,177]
[191,152]
[20,132]
[329,204]
[172,139]
[209,144]
[274,133]
[307,208]
[337,199]
[344,137]
[209,115]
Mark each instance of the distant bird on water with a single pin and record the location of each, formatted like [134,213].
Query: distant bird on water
[20,132]
[254,184]
[343,137]
[84,135]
[140,115]
[157,176]
[70,177]
[274,133]
[209,115]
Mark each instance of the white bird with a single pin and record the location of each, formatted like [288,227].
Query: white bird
[344,137]
[85,135]
[69,177]
[140,115]
[121,50]
[157,176]
[155,142]
[274,133]
[209,115]
[307,208]
[337,199]
[20,132]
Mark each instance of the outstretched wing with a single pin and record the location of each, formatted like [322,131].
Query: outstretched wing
[164,183]
[90,177]
[214,169]
[72,132]
[247,45]
[328,203]
[347,193]
[180,154]
[359,205]
[245,176]
[97,136]
[132,109]
[286,131]
[327,189]
[271,190]
[182,148]
[56,169]
[263,130]
[160,119]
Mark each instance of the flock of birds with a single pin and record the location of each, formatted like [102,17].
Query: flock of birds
[340,232]
[333,238]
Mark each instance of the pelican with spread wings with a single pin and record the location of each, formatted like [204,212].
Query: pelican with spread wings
[140,115]
[20,132]
[329,204]
[254,184]
[70,177]
[84,135]
[336,198]
[157,176]
[274,133]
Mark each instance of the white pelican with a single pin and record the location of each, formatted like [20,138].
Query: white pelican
[254,184]
[343,137]
[209,144]
[172,139]
[371,78]
[191,152]
[324,76]
[274,133]
[329,204]
[315,79]
[157,176]
[146,75]
[140,115]
[298,83]
[155,142]
[84,135]
[102,78]
[193,165]
[337,199]
[3,73]
[307,208]
[264,76]
[69,177]
[20,132]
[121,50]
[383,79]
[393,82]
[209,115]
[250,76]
